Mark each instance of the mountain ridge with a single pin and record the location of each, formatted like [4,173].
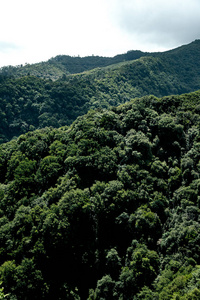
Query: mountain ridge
[60,65]
[99,187]
[65,65]
[30,102]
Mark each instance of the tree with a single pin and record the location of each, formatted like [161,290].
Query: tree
[2,295]
[49,170]
[140,269]
[146,225]
[104,289]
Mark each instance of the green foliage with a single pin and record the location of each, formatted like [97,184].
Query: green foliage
[62,65]
[46,94]
[140,270]
[2,295]
[106,208]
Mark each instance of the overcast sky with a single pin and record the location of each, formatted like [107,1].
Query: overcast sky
[34,31]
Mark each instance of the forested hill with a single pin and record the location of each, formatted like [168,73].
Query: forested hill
[62,65]
[29,102]
[107,208]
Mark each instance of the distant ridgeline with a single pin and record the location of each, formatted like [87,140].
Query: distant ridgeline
[61,65]
[28,100]
[107,207]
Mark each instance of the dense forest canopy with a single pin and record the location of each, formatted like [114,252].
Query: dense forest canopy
[29,101]
[105,208]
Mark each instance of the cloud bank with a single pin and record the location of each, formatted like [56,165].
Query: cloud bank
[33,31]
[167,23]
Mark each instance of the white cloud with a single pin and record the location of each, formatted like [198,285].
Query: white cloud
[44,28]
[41,29]
[154,22]
[7,47]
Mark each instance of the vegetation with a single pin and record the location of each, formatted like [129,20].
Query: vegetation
[105,208]
[61,65]
[28,102]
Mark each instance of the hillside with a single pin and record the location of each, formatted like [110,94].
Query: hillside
[61,65]
[29,103]
[106,208]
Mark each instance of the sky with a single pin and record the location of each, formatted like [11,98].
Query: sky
[34,31]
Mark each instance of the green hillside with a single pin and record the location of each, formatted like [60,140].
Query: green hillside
[106,208]
[29,103]
[61,65]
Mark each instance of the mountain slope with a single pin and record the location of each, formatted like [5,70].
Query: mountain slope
[28,103]
[107,208]
[61,65]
